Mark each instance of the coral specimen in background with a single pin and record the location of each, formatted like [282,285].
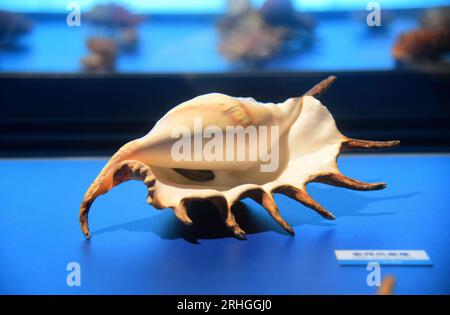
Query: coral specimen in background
[254,36]
[422,45]
[250,38]
[12,26]
[117,29]
[428,44]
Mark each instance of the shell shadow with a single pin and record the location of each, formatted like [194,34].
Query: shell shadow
[253,218]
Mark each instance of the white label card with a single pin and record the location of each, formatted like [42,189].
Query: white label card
[383,257]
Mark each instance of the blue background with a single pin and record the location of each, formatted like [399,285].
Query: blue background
[53,47]
[137,249]
[191,27]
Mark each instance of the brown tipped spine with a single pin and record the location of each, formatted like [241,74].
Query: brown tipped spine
[318,90]
[340,180]
[367,144]
[103,183]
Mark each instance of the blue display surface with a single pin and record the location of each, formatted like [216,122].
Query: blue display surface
[137,249]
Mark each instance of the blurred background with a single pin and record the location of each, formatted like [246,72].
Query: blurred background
[216,35]
[82,77]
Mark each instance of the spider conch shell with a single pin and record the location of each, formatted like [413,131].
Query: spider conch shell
[307,144]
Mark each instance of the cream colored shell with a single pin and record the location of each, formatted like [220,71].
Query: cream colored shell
[307,148]
[308,142]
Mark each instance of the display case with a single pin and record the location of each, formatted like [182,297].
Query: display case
[78,80]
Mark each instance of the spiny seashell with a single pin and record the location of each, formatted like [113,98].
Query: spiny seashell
[302,146]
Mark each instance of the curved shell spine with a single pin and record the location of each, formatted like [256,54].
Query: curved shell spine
[308,141]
